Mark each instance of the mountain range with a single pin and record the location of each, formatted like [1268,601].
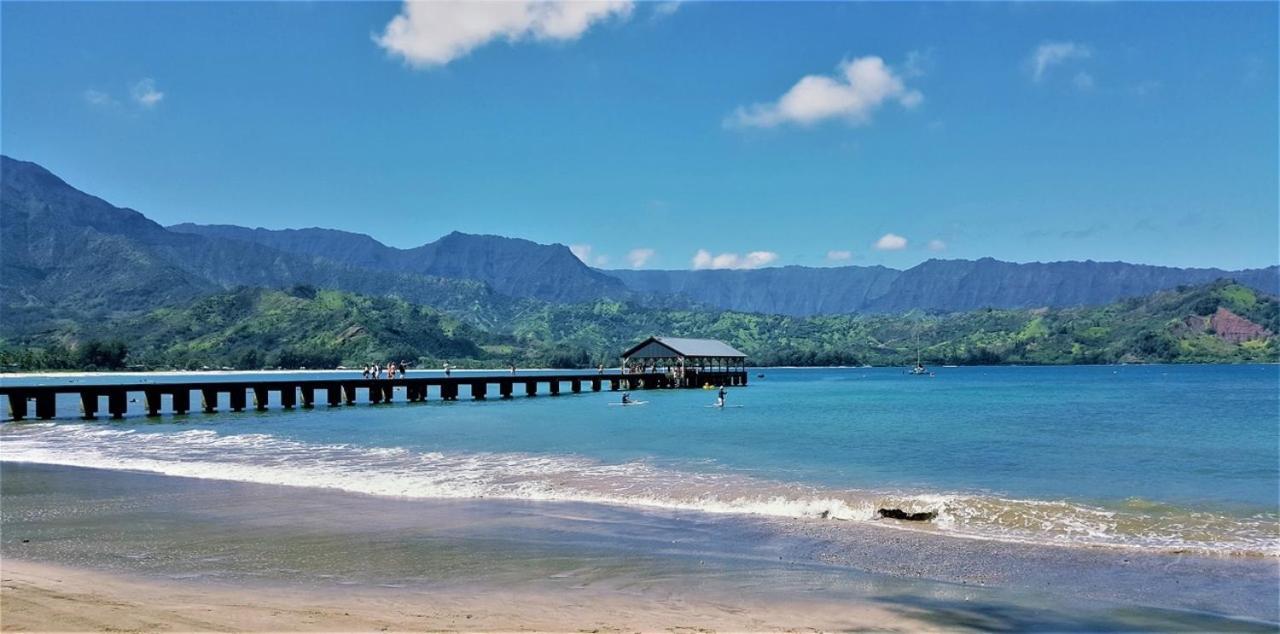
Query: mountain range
[67,256]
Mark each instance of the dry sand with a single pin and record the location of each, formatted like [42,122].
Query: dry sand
[43,597]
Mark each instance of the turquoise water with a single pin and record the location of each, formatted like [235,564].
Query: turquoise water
[1174,458]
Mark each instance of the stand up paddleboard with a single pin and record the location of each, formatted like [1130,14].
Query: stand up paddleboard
[628,404]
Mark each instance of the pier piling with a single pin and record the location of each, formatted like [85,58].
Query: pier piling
[209,400]
[237,399]
[89,405]
[153,398]
[181,401]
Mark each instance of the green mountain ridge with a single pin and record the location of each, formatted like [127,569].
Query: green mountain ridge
[252,328]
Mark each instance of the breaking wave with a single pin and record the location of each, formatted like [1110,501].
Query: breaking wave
[399,472]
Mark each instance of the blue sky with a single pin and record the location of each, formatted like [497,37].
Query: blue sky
[757,134]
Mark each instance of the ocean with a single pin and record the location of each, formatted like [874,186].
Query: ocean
[1112,461]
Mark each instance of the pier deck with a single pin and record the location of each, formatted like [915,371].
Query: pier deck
[176,398]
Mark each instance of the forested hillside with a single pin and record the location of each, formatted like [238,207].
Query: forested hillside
[1222,322]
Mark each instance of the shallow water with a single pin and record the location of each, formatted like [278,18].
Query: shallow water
[1139,458]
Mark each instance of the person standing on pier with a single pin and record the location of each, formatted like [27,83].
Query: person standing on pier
[446,368]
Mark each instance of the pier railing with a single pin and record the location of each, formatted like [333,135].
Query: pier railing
[176,397]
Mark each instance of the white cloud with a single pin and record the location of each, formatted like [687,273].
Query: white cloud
[1083,81]
[1050,54]
[584,252]
[428,33]
[145,93]
[753,260]
[839,256]
[98,98]
[937,245]
[862,86]
[639,257]
[891,242]
[666,9]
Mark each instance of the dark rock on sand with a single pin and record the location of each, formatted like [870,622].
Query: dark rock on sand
[899,514]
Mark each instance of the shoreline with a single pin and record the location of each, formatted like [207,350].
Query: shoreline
[924,530]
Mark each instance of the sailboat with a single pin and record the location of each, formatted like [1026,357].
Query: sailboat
[919,370]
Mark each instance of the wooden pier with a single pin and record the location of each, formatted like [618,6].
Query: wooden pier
[176,397]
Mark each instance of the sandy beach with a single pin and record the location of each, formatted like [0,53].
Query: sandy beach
[94,550]
[38,597]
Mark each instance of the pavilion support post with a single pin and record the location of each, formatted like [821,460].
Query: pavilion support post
[505,388]
[308,397]
[349,393]
[288,397]
[375,394]
[530,388]
[576,386]
[388,392]
[595,385]
[260,398]
[333,394]
[479,390]
[554,387]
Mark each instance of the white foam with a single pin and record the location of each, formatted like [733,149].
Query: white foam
[399,472]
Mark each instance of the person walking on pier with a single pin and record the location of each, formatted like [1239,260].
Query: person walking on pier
[401,367]
[446,368]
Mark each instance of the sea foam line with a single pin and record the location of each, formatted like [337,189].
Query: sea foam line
[399,472]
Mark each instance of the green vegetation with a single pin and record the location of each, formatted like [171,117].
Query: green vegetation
[303,327]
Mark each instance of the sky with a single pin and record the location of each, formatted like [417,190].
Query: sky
[674,135]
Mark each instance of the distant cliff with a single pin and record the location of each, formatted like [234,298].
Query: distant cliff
[935,285]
